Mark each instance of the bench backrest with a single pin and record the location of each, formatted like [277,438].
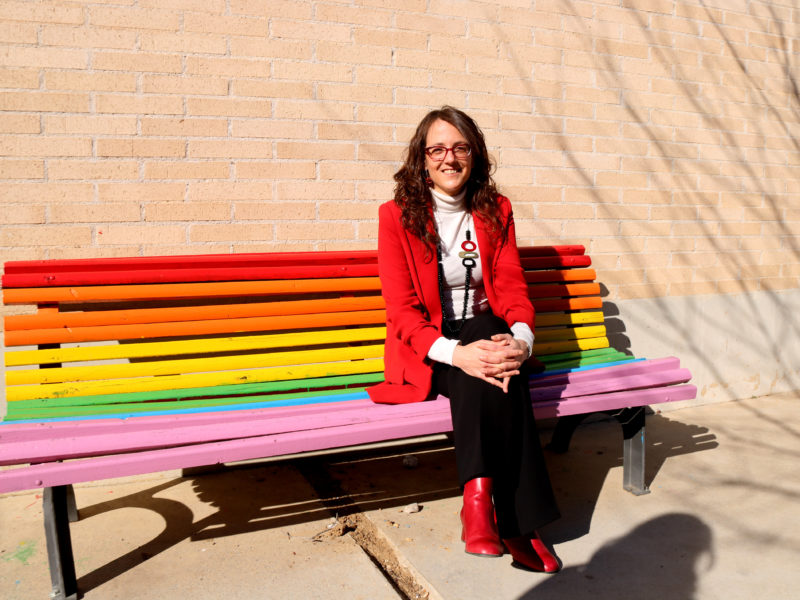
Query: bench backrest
[126,336]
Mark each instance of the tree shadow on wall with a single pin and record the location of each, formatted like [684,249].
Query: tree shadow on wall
[709,157]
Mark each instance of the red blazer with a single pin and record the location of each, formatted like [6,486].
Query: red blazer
[410,288]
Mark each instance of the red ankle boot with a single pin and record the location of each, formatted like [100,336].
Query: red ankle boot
[479,530]
[532,554]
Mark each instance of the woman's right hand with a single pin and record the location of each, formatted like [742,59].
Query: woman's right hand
[486,360]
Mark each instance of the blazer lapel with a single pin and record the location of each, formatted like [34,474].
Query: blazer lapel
[486,250]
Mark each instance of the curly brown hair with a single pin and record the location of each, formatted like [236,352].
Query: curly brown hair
[412,194]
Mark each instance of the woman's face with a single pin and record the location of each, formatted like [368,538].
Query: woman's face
[451,174]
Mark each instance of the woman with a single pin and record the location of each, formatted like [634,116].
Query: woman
[459,323]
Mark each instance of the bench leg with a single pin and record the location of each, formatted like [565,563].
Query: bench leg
[633,450]
[59,544]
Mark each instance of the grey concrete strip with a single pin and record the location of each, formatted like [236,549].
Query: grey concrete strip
[721,521]
[242,533]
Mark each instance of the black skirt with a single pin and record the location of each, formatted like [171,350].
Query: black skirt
[496,437]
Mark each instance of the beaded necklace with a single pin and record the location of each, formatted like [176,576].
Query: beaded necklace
[468,256]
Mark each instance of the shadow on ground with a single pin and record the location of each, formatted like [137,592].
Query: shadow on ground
[250,498]
[660,559]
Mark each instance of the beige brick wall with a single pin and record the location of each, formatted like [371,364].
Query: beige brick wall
[662,134]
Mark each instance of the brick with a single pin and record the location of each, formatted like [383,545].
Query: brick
[415,6]
[390,114]
[315,190]
[79,124]
[315,231]
[140,192]
[328,111]
[92,170]
[315,150]
[437,61]
[138,104]
[229,191]
[430,97]
[95,213]
[127,235]
[274,210]
[649,290]
[186,170]
[43,58]
[306,71]
[189,85]
[456,25]
[189,127]
[353,211]
[354,53]
[45,192]
[374,191]
[12,123]
[19,145]
[229,149]
[21,169]
[270,48]
[231,232]
[226,25]
[355,15]
[45,235]
[88,37]
[141,147]
[91,82]
[292,9]
[273,129]
[355,171]
[230,107]
[276,170]
[44,102]
[43,12]
[134,18]
[18,78]
[227,67]
[272,89]
[208,6]
[187,211]
[558,211]
[563,142]
[22,214]
[137,61]
[348,131]
[188,43]
[309,30]
[180,249]
[19,33]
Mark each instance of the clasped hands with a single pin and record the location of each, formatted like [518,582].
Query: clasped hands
[495,361]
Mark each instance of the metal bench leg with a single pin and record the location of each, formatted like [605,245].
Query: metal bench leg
[633,450]
[59,543]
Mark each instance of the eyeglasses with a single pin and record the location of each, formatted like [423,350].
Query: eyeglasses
[439,153]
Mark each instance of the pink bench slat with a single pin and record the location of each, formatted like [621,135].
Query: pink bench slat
[409,420]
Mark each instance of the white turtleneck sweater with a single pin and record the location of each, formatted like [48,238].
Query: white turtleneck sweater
[452,223]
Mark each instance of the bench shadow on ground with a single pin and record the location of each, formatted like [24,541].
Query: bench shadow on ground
[263,496]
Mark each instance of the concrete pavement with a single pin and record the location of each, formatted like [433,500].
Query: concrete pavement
[721,522]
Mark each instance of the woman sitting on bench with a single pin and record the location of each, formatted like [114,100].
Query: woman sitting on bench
[459,323]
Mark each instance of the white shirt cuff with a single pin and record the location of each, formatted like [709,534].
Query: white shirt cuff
[442,350]
[521,331]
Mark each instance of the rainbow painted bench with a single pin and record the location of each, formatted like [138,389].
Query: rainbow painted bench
[137,365]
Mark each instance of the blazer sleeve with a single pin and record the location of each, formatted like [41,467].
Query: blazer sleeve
[510,287]
[407,318]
